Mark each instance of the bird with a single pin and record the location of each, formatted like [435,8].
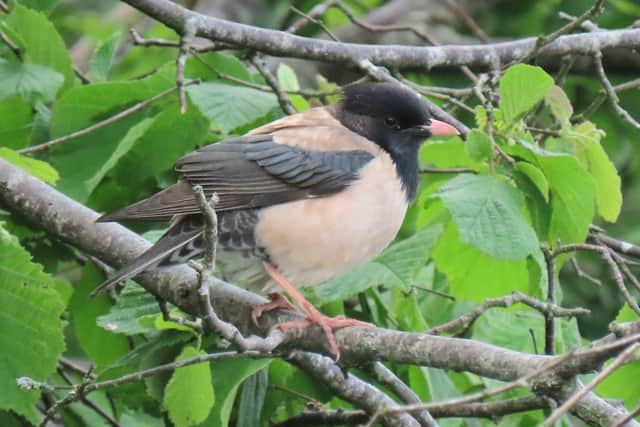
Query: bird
[300,199]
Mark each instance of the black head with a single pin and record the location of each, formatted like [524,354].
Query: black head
[394,118]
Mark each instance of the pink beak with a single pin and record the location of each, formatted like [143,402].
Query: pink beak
[439,128]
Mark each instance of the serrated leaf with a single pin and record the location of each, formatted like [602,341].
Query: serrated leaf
[396,266]
[100,345]
[132,304]
[40,41]
[38,168]
[189,395]
[536,176]
[474,276]
[32,337]
[521,88]
[487,213]
[102,58]
[559,103]
[231,106]
[478,145]
[31,82]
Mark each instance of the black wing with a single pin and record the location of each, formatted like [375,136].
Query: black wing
[250,172]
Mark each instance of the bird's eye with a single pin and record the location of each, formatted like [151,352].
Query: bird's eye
[392,123]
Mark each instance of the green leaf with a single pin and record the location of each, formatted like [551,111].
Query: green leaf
[132,304]
[510,329]
[189,395]
[100,345]
[231,106]
[536,176]
[487,212]
[474,276]
[31,82]
[605,176]
[32,338]
[16,117]
[103,56]
[174,132]
[134,134]
[205,65]
[228,375]
[478,145]
[559,103]
[42,5]
[38,168]
[254,390]
[572,198]
[289,81]
[396,266]
[618,385]
[521,88]
[40,41]
[84,160]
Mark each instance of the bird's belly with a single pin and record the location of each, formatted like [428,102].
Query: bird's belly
[312,240]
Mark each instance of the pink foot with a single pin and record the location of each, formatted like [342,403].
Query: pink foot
[328,325]
[276,302]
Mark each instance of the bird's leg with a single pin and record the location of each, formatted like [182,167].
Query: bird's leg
[276,302]
[314,317]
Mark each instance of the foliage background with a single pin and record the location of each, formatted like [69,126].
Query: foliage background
[444,245]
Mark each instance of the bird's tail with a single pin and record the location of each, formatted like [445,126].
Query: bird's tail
[180,243]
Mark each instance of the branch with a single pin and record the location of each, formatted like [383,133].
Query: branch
[68,220]
[283,44]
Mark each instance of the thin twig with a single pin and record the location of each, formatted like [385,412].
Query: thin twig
[519,383]
[468,20]
[81,76]
[3,7]
[308,93]
[317,10]
[628,417]
[283,99]
[549,319]
[618,245]
[92,405]
[426,169]
[542,41]
[466,320]
[134,109]
[11,45]
[385,376]
[205,273]
[138,40]
[611,92]
[315,21]
[566,406]
[583,274]
[168,317]
[418,32]
[605,253]
[185,41]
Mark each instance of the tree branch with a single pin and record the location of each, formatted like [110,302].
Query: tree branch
[68,220]
[283,44]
